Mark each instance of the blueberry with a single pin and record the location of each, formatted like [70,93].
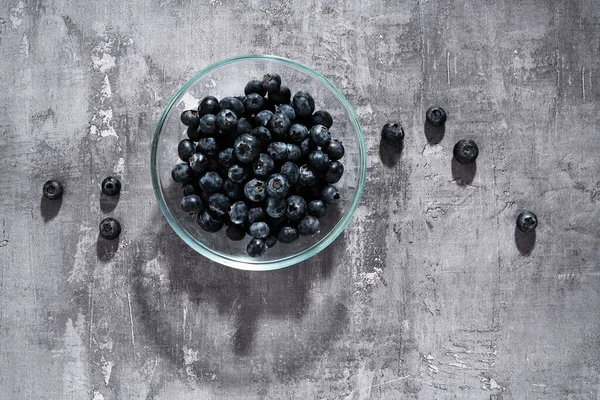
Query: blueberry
[278,151]
[199,162]
[334,173]
[233,190]
[281,96]
[279,125]
[194,133]
[287,234]
[111,186]
[256,214]
[237,173]
[238,212]
[192,203]
[318,160]
[254,86]
[436,116]
[188,189]
[306,147]
[259,230]
[255,190]
[277,186]
[307,176]
[263,117]
[226,157]
[181,173]
[53,189]
[263,167]
[291,171]
[208,146]
[110,228]
[219,204]
[190,118]
[527,221]
[234,104]
[465,151]
[296,207]
[271,240]
[294,152]
[392,133]
[308,226]
[209,222]
[276,207]
[319,135]
[253,103]
[271,83]
[330,194]
[211,182]
[256,248]
[317,208]
[247,148]
[287,110]
[208,124]
[262,134]
[235,232]
[209,105]
[335,150]
[322,117]
[227,120]
[185,149]
[303,104]
[244,126]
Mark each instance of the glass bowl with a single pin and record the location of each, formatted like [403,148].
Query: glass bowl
[228,78]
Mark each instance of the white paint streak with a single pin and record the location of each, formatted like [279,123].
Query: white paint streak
[76,382]
[106,129]
[16,14]
[189,101]
[583,82]
[104,62]
[25,47]
[448,66]
[98,395]
[190,356]
[84,245]
[131,321]
[120,167]
[106,368]
[106,90]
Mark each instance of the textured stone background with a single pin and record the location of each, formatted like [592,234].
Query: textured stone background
[429,294]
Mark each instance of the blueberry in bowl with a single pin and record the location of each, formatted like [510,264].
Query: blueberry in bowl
[272,167]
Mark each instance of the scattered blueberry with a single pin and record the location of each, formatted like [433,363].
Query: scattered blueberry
[298,133]
[111,186]
[436,116]
[527,222]
[392,133]
[334,173]
[238,212]
[291,171]
[330,194]
[335,150]
[308,226]
[209,222]
[278,151]
[279,125]
[319,135]
[226,157]
[307,176]
[256,214]
[234,104]
[110,228]
[276,207]
[256,248]
[235,232]
[287,234]
[322,117]
[263,167]
[199,163]
[219,204]
[296,207]
[237,173]
[247,148]
[294,152]
[192,203]
[263,134]
[271,83]
[194,133]
[306,147]
[277,186]
[209,105]
[287,110]
[253,103]
[303,104]
[255,190]
[181,173]
[185,149]
[317,208]
[259,230]
[318,160]
[263,117]
[227,120]
[465,151]
[190,118]
[211,182]
[208,124]
[281,96]
[208,146]
[53,190]
[254,86]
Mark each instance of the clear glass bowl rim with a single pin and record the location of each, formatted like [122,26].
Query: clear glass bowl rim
[258,265]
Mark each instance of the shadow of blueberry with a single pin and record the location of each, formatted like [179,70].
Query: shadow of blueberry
[434,134]
[463,174]
[389,153]
[108,203]
[50,208]
[106,249]
[525,241]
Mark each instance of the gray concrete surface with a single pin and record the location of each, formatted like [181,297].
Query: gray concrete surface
[429,294]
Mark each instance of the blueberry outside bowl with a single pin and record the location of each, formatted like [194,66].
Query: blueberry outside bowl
[228,78]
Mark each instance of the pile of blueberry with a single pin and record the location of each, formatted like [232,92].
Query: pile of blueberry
[262,164]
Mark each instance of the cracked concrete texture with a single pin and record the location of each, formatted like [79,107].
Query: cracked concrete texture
[430,292]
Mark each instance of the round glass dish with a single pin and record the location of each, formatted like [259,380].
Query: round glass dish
[228,78]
